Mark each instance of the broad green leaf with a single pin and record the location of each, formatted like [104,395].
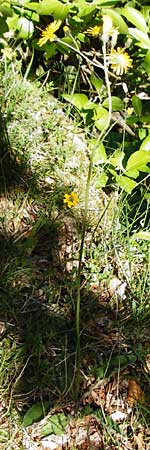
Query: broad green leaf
[77,100]
[146,144]
[33,6]
[135,17]
[125,183]
[137,105]
[133,173]
[117,20]
[12,22]
[101,116]
[55,425]
[5,9]
[145,235]
[35,413]
[81,37]
[62,45]
[54,8]
[117,158]
[122,361]
[85,11]
[117,104]
[50,50]
[97,82]
[142,133]
[3,26]
[147,62]
[144,41]
[145,119]
[101,180]
[105,2]
[99,155]
[25,28]
[137,160]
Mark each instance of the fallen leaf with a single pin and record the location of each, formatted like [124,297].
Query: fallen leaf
[138,439]
[135,393]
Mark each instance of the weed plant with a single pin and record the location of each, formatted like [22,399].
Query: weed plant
[58,264]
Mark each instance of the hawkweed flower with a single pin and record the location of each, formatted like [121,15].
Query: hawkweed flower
[120,61]
[71,199]
[94,31]
[49,33]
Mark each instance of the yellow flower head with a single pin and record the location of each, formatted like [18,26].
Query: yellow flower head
[49,33]
[94,31]
[71,199]
[120,61]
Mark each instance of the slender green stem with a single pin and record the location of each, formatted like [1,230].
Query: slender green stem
[101,137]
[78,355]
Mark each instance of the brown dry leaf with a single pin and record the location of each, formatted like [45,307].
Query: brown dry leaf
[86,433]
[147,364]
[135,393]
[138,439]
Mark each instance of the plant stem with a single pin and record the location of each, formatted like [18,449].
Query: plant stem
[101,137]
[78,353]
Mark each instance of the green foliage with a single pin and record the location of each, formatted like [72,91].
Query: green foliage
[35,413]
[55,425]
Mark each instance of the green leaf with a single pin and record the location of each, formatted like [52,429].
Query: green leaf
[146,144]
[105,2]
[3,26]
[144,41]
[77,100]
[12,22]
[135,17]
[147,62]
[97,82]
[50,50]
[5,9]
[101,181]
[116,159]
[142,133]
[99,154]
[117,20]
[25,28]
[137,160]
[35,413]
[117,104]
[122,361]
[33,6]
[133,173]
[55,425]
[101,116]
[126,183]
[87,10]
[145,235]
[137,105]
[64,47]
[54,8]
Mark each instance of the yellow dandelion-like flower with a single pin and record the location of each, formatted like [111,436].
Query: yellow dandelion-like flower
[71,199]
[49,33]
[94,31]
[120,61]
